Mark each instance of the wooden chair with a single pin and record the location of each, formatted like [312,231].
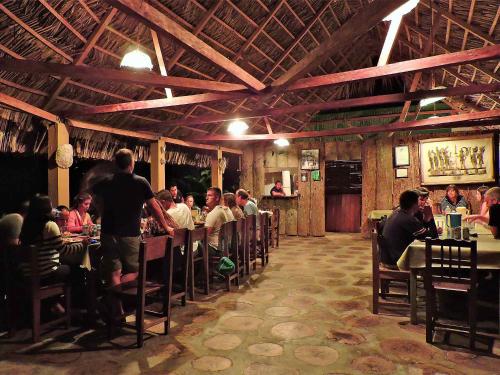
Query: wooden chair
[241,234]
[34,290]
[275,227]
[199,234]
[251,235]
[228,247]
[454,269]
[181,238]
[161,249]
[263,243]
[383,276]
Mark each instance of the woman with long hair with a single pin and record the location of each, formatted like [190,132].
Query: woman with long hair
[39,229]
[230,201]
[452,199]
[484,214]
[79,216]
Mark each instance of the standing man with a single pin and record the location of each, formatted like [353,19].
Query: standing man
[122,197]
[216,217]
[176,194]
[277,190]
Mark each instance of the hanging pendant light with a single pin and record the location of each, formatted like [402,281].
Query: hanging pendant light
[136,59]
[237,127]
[281,142]
[432,99]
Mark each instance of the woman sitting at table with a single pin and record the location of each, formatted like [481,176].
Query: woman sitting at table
[40,229]
[230,201]
[452,200]
[79,216]
[484,215]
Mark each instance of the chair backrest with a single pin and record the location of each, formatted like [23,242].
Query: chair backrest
[199,234]
[276,217]
[241,232]
[180,238]
[454,261]
[227,236]
[251,226]
[154,247]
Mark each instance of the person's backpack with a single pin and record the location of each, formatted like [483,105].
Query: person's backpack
[225,266]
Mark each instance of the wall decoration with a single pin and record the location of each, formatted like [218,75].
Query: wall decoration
[401,156]
[303,176]
[315,175]
[401,172]
[457,160]
[309,159]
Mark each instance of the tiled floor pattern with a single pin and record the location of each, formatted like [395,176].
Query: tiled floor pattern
[306,313]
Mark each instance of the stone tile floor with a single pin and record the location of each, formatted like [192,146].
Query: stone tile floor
[306,313]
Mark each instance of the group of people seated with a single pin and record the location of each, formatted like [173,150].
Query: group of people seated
[413,218]
[122,200]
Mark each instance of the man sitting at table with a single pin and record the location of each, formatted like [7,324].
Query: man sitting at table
[122,198]
[277,190]
[216,217]
[424,213]
[179,212]
[176,194]
[401,229]
[492,199]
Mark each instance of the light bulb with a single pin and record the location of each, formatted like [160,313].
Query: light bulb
[237,127]
[282,142]
[137,60]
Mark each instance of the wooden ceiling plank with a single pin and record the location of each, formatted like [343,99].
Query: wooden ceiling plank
[341,104]
[357,25]
[61,19]
[453,121]
[164,25]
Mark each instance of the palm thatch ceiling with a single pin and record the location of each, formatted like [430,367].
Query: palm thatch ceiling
[265,38]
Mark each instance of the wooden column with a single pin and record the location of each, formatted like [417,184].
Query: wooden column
[216,169]
[157,152]
[317,217]
[246,177]
[385,174]
[369,184]
[58,181]
[259,172]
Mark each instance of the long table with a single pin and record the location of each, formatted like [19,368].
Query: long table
[413,259]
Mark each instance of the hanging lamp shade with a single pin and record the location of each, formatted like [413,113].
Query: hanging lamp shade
[432,99]
[136,59]
[282,142]
[237,127]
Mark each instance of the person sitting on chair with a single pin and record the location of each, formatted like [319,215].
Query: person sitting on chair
[492,199]
[216,217]
[401,229]
[452,200]
[424,213]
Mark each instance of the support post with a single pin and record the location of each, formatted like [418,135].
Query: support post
[157,152]
[58,178]
[216,169]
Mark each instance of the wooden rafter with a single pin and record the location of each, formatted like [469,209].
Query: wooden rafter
[158,21]
[340,104]
[141,78]
[486,118]
[357,25]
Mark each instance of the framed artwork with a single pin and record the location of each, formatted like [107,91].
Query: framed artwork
[315,175]
[303,176]
[457,160]
[401,172]
[401,156]
[309,159]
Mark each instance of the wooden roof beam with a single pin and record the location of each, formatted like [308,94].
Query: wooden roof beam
[463,120]
[357,25]
[158,21]
[339,104]
[124,76]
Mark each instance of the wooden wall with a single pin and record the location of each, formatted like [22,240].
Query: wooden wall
[381,189]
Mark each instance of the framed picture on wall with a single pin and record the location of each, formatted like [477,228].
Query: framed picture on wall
[401,172]
[457,160]
[315,175]
[401,156]
[303,176]
[309,159]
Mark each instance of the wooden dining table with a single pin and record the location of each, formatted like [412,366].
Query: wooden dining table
[413,260]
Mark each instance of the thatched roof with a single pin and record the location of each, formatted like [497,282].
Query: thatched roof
[58,30]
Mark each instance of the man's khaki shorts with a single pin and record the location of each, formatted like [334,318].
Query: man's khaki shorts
[120,253]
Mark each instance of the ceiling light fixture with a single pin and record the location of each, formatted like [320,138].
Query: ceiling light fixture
[237,127]
[282,142]
[433,99]
[136,59]
[395,19]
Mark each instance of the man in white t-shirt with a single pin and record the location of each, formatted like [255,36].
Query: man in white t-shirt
[216,217]
[179,212]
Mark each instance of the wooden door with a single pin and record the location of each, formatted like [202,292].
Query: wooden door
[343,213]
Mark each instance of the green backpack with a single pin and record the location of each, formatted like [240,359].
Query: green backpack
[225,266]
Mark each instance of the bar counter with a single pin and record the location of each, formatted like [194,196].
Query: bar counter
[288,211]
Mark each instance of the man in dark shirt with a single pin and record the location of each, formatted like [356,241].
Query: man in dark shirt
[424,213]
[176,194]
[492,198]
[401,228]
[122,197]
[277,190]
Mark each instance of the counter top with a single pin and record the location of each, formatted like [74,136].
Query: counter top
[285,197]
